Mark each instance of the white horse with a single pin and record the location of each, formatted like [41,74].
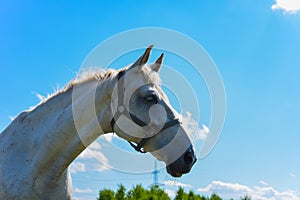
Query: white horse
[39,145]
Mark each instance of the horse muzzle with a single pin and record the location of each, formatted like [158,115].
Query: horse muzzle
[183,164]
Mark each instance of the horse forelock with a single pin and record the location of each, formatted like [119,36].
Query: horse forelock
[151,76]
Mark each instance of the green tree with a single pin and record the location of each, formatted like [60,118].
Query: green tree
[215,197]
[181,195]
[246,197]
[106,194]
[154,193]
[158,194]
[121,193]
[193,196]
[138,193]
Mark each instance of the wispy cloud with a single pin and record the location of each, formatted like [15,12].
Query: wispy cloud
[192,127]
[235,190]
[83,191]
[84,194]
[264,183]
[109,136]
[177,184]
[292,174]
[91,159]
[77,167]
[288,6]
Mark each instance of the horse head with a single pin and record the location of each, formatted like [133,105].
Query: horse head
[143,115]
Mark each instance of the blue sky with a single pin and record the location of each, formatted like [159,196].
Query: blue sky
[255,47]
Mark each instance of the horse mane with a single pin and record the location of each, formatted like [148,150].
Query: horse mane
[84,75]
[92,73]
[95,73]
[99,74]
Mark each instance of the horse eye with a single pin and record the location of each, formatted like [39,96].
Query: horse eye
[151,98]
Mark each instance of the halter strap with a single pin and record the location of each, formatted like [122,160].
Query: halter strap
[123,110]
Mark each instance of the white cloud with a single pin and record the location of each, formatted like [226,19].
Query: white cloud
[77,167]
[191,126]
[84,194]
[87,190]
[177,184]
[109,136]
[292,174]
[203,132]
[93,151]
[264,183]
[289,6]
[95,146]
[171,193]
[91,159]
[235,190]
[84,197]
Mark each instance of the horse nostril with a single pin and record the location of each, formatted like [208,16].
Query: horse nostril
[188,158]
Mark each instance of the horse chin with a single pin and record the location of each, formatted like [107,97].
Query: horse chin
[173,173]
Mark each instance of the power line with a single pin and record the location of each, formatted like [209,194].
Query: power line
[155,174]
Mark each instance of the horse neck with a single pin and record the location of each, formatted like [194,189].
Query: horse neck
[68,122]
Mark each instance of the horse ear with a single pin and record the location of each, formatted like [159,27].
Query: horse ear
[157,65]
[143,59]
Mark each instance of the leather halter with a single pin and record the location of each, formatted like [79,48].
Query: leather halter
[121,110]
